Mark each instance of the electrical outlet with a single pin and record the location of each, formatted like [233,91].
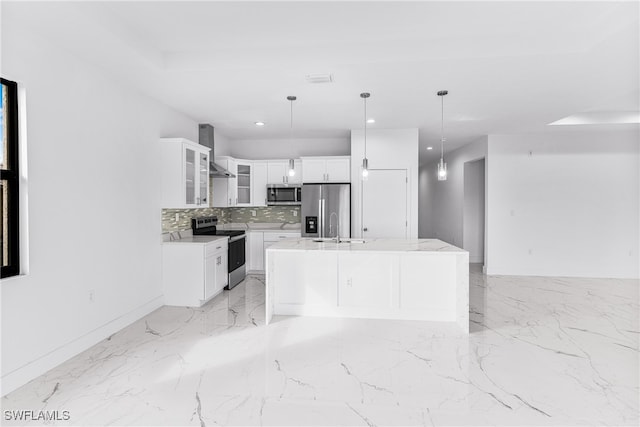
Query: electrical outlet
[294,212]
[253,213]
[92,295]
[177,217]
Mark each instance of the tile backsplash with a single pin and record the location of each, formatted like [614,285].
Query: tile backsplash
[183,221]
[284,214]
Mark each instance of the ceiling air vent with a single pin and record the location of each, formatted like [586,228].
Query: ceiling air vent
[319,78]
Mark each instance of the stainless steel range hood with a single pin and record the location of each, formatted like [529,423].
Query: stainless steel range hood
[205,137]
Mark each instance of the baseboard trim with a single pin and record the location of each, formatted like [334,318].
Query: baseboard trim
[21,376]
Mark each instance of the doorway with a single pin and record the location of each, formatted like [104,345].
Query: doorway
[384,204]
[473,235]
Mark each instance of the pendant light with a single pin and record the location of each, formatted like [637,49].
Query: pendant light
[365,161]
[442,166]
[291,167]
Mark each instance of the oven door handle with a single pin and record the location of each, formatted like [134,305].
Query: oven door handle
[236,238]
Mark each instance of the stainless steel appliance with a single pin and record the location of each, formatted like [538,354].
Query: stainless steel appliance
[237,246]
[326,210]
[206,138]
[283,194]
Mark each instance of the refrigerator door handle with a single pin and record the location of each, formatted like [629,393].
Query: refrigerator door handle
[320,218]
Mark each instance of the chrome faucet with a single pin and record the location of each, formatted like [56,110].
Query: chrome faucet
[337,225]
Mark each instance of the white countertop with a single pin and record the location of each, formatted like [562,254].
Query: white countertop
[379,245]
[202,240]
[261,226]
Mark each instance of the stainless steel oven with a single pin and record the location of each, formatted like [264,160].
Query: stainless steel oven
[236,258]
[283,194]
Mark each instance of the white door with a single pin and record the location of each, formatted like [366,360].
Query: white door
[384,204]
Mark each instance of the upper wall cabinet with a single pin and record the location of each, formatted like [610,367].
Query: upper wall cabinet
[278,172]
[244,181]
[326,169]
[185,173]
[259,177]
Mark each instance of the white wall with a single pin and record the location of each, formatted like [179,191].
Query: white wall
[564,204]
[386,149]
[94,207]
[283,148]
[442,202]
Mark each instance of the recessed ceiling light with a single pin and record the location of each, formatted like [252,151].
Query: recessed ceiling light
[319,78]
[371,120]
[429,148]
[259,123]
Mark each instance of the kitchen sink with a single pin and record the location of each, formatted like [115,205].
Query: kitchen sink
[328,240]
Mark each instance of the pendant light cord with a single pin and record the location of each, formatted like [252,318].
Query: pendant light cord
[442,129]
[365,128]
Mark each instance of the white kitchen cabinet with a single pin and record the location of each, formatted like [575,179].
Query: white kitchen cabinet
[185,173]
[326,169]
[278,172]
[193,273]
[244,183]
[255,250]
[260,180]
[225,190]
[271,237]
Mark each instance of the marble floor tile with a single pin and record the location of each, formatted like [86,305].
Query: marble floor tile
[542,351]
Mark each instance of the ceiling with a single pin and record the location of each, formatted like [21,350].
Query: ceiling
[508,66]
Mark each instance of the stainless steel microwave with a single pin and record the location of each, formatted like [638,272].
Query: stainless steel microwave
[282,194]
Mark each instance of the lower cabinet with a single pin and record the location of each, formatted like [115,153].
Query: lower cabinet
[259,241]
[255,256]
[193,273]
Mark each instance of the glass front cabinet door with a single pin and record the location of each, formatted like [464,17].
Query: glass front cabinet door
[185,173]
[203,168]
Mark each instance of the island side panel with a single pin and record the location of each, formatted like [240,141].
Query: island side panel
[303,282]
[268,287]
[428,286]
[462,291]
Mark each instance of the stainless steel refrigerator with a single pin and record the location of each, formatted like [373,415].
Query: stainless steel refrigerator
[326,209]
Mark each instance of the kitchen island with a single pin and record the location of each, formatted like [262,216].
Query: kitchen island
[409,279]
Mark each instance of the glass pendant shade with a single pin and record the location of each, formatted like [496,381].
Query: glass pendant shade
[365,168]
[442,170]
[292,170]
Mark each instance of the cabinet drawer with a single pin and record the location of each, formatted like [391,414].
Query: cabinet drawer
[276,237]
[213,247]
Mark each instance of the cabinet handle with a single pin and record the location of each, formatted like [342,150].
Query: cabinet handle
[365,229]
[282,237]
[219,260]
[218,247]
